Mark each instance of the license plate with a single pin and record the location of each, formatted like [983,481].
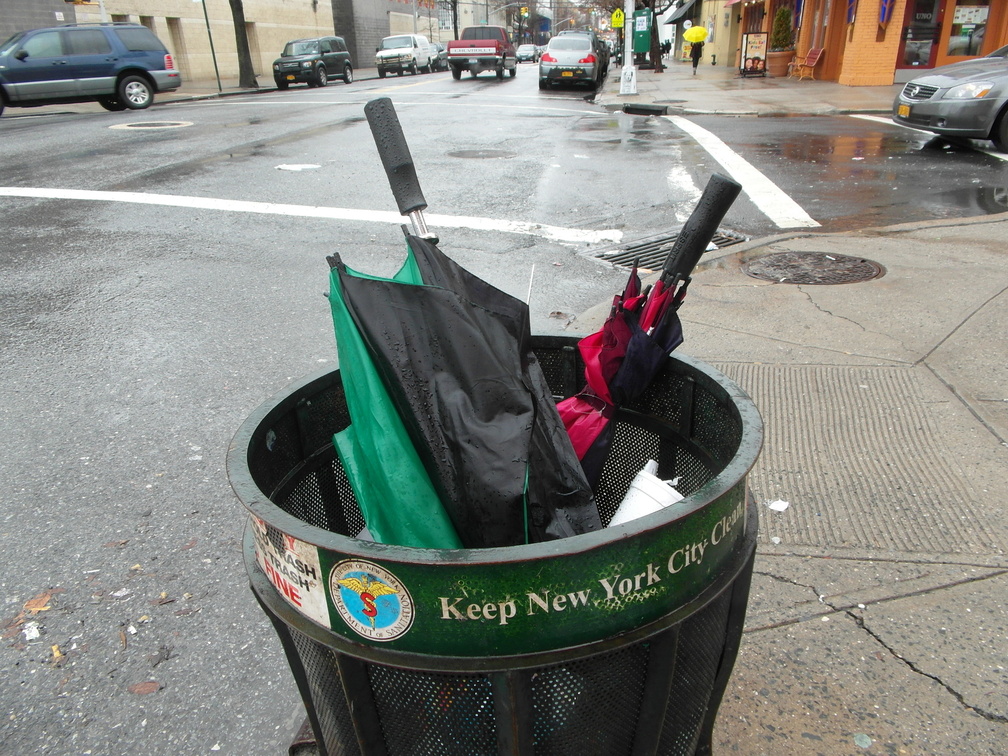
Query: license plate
[291,77]
[903,111]
[567,73]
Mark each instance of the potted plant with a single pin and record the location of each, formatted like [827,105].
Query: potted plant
[781,43]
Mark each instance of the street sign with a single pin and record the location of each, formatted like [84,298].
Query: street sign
[616,22]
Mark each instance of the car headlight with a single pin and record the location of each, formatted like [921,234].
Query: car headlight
[971,91]
[276,66]
[306,64]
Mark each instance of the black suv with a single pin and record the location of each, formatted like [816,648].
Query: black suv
[118,65]
[313,62]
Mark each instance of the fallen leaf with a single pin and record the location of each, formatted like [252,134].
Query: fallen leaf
[143,688]
[161,600]
[122,639]
[189,545]
[115,544]
[186,612]
[136,568]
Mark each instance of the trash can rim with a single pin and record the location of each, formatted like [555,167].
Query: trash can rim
[259,505]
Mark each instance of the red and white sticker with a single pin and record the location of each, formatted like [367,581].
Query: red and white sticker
[292,566]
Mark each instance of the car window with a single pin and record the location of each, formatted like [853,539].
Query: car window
[338,44]
[480,32]
[87,42]
[392,43]
[11,43]
[139,39]
[1001,52]
[570,43]
[301,47]
[44,45]
[324,46]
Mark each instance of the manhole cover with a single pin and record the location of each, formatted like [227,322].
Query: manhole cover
[152,125]
[481,154]
[812,268]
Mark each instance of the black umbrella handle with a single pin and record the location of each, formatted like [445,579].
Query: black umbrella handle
[395,155]
[692,241]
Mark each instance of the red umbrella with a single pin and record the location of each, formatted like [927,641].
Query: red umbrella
[642,329]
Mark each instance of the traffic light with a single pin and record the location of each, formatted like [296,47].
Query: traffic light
[524,12]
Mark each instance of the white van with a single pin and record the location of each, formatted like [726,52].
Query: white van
[403,52]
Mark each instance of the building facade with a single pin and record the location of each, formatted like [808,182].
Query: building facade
[865,42]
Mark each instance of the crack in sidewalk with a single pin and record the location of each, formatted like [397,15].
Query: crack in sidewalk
[859,621]
[988,715]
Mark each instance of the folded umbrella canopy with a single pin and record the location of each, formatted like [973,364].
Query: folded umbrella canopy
[623,358]
[453,356]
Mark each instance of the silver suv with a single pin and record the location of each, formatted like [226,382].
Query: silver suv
[118,65]
[403,52]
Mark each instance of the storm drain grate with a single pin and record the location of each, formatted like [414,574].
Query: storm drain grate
[653,251]
[812,268]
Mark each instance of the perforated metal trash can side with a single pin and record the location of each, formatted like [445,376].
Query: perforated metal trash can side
[618,642]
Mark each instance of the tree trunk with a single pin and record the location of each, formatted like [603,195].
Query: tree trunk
[656,56]
[246,74]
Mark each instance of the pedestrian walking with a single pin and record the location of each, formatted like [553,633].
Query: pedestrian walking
[696,52]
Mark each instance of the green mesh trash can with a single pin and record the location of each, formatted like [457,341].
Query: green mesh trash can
[614,642]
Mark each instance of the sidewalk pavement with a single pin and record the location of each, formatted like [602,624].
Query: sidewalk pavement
[877,621]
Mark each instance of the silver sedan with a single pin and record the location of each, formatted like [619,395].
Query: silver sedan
[570,58]
[968,100]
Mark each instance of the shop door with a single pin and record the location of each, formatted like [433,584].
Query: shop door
[921,30]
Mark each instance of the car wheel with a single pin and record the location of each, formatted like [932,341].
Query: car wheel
[321,77]
[543,84]
[500,71]
[135,92]
[1000,134]
[381,73]
[347,74]
[456,73]
[413,68]
[111,103]
[513,72]
[281,83]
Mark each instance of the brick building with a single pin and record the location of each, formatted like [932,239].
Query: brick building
[865,42]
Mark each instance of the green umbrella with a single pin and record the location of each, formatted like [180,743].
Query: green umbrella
[392,487]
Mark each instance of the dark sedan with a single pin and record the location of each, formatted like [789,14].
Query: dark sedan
[967,100]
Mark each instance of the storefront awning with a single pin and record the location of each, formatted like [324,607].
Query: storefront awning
[731,3]
[684,6]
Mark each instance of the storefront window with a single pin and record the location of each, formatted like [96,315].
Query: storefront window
[969,22]
[920,34]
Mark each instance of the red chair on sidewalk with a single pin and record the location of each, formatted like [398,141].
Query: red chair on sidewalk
[805,67]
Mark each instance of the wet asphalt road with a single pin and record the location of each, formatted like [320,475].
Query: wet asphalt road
[137,337]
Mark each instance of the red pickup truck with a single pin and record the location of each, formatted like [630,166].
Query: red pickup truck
[482,48]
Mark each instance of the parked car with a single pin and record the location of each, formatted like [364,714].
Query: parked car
[967,99]
[117,65]
[570,58]
[527,52]
[312,61]
[401,53]
[598,44]
[439,57]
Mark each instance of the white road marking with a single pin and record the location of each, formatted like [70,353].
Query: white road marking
[554,233]
[766,195]
[986,150]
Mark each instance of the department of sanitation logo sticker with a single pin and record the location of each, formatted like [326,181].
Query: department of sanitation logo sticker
[371,600]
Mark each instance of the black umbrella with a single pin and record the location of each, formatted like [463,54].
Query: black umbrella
[455,357]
